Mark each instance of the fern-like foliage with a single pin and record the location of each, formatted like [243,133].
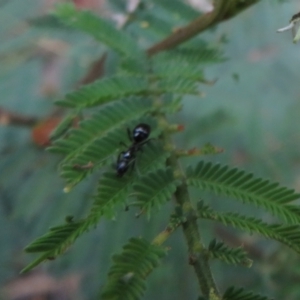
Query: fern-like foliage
[155,189]
[143,90]
[286,234]
[112,192]
[179,64]
[100,29]
[244,187]
[118,87]
[98,137]
[55,242]
[237,256]
[233,293]
[126,278]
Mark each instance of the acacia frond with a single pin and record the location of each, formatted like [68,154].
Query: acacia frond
[177,63]
[105,90]
[244,187]
[98,137]
[126,278]
[105,120]
[150,159]
[100,29]
[55,242]
[113,190]
[165,66]
[154,189]
[237,256]
[117,87]
[286,234]
[201,54]
[64,126]
[234,293]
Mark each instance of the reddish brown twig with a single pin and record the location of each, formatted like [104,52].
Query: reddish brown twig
[11,118]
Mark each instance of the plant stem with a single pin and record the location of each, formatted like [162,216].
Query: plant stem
[223,10]
[197,255]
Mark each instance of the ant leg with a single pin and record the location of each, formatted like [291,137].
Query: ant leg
[129,135]
[134,165]
[144,142]
[139,147]
[119,156]
[123,144]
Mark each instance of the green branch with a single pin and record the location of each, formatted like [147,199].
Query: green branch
[223,10]
[198,257]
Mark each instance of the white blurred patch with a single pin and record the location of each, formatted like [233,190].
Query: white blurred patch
[201,5]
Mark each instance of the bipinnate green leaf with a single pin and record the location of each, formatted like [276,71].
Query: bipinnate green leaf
[152,157]
[64,126]
[286,234]
[126,278]
[155,189]
[164,65]
[55,242]
[234,293]
[105,90]
[101,30]
[237,256]
[244,187]
[97,138]
[105,120]
[121,86]
[112,190]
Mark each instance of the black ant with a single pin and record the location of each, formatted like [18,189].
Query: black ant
[138,137]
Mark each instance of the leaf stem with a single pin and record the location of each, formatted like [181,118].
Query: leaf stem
[197,255]
[223,10]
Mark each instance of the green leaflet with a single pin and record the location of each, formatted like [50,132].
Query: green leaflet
[234,293]
[175,64]
[154,189]
[126,278]
[237,256]
[55,242]
[150,159]
[105,120]
[286,234]
[117,87]
[244,187]
[105,90]
[98,137]
[113,190]
[64,126]
[100,29]
[101,151]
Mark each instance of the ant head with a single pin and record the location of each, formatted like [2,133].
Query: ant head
[141,132]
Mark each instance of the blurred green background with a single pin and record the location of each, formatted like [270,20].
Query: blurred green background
[252,112]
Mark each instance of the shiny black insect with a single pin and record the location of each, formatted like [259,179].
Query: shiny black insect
[138,138]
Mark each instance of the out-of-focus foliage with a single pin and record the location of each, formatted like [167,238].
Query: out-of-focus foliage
[258,130]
